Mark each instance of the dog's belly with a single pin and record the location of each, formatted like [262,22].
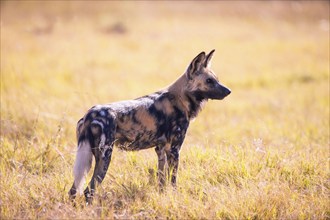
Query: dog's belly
[132,140]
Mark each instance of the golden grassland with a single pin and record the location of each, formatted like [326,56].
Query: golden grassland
[262,153]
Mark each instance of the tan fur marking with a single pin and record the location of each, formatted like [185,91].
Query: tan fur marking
[146,119]
[129,128]
[167,147]
[166,106]
[178,88]
[126,125]
[96,130]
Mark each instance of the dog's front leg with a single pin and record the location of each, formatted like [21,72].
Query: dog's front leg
[173,163]
[160,150]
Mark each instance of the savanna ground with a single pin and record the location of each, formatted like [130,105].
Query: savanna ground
[262,153]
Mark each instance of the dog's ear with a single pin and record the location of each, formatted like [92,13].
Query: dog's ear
[208,59]
[195,65]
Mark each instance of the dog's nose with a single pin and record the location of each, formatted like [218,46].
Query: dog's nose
[227,91]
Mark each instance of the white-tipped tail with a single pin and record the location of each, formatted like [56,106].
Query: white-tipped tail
[82,164]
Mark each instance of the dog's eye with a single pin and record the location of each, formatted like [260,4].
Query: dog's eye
[209,81]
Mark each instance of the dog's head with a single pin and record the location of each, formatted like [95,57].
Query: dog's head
[201,80]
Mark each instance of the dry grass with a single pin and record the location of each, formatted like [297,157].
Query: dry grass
[262,153]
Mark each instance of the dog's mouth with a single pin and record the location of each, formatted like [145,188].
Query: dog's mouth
[219,93]
[216,94]
[224,93]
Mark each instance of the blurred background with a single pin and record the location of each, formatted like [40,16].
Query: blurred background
[59,58]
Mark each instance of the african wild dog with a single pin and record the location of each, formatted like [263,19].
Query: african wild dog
[158,120]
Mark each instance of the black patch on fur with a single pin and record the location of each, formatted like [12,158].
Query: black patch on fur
[81,137]
[159,115]
[134,119]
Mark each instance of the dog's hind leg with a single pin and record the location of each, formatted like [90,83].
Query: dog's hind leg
[101,166]
[102,150]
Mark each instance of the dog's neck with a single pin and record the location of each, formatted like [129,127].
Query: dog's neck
[189,102]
